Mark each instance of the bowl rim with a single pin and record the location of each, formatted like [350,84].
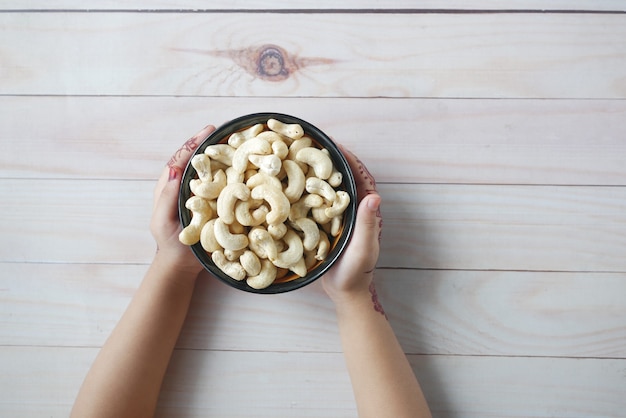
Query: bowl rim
[348,184]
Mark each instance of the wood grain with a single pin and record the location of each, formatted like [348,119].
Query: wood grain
[201,383]
[426,140]
[425,226]
[489,56]
[432,312]
[308,5]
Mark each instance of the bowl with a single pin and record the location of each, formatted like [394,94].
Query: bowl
[291,281]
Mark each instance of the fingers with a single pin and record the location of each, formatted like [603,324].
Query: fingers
[179,160]
[367,232]
[365,182]
[176,165]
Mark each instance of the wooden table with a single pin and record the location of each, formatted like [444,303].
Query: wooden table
[496,131]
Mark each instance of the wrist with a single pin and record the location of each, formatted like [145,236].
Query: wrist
[172,267]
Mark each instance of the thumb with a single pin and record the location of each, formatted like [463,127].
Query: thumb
[368,224]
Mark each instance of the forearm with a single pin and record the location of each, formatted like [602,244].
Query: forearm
[383,381]
[126,377]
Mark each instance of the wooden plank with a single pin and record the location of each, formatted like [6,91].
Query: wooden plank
[504,227]
[216,383]
[426,226]
[360,55]
[558,142]
[401,5]
[432,312]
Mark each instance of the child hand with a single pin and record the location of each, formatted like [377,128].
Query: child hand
[354,271]
[165,225]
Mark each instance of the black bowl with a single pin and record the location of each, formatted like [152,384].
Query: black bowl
[293,281]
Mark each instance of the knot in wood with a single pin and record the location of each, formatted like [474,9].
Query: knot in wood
[271,63]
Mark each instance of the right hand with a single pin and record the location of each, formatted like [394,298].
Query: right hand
[354,271]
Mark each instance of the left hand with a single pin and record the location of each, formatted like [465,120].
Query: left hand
[165,225]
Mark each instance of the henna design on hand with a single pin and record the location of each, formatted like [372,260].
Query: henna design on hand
[377,305]
[189,146]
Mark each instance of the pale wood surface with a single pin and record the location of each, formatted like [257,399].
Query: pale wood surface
[498,141]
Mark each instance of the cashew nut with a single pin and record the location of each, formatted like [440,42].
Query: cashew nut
[320,162]
[202,164]
[265,278]
[296,146]
[221,152]
[293,253]
[228,240]
[233,255]
[269,164]
[250,262]
[247,217]
[301,208]
[230,268]
[233,176]
[209,189]
[262,243]
[293,131]
[279,204]
[238,138]
[200,214]
[335,226]
[277,231]
[320,187]
[323,247]
[295,181]
[207,237]
[342,200]
[280,149]
[252,146]
[263,178]
[299,267]
[311,232]
[335,178]
[227,199]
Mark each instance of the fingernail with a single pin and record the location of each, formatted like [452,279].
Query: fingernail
[373,203]
[173,174]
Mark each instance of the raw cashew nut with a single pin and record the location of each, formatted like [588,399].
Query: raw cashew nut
[207,237]
[228,240]
[202,164]
[293,253]
[295,181]
[252,146]
[300,267]
[269,164]
[280,149]
[277,231]
[293,131]
[233,255]
[227,199]
[270,136]
[221,152]
[323,247]
[209,189]
[262,243]
[265,278]
[250,262]
[319,215]
[297,145]
[335,226]
[230,268]
[320,162]
[335,178]
[263,178]
[238,138]
[200,214]
[301,208]
[279,203]
[233,176]
[311,232]
[320,187]
[342,200]
[247,217]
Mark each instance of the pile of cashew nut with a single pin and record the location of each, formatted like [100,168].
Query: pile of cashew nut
[265,203]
